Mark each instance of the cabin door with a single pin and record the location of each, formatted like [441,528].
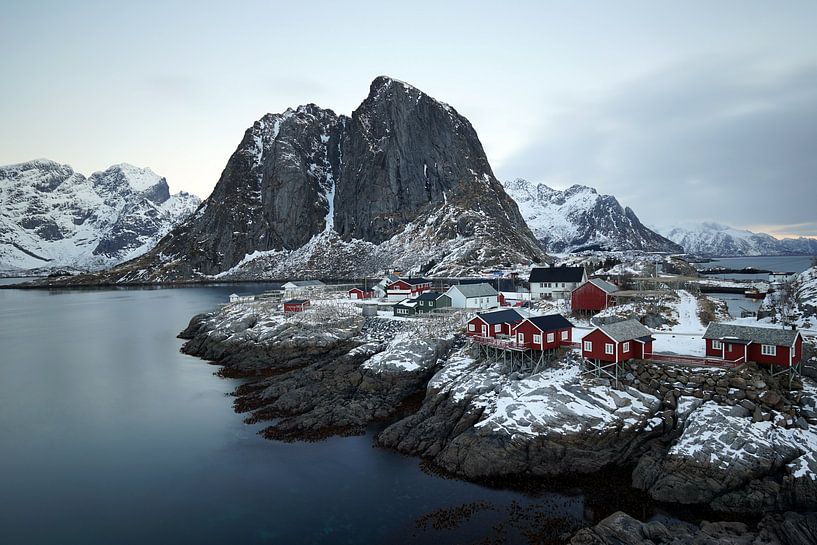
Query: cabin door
[484,330]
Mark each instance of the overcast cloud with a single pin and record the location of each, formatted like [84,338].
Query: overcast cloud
[730,140]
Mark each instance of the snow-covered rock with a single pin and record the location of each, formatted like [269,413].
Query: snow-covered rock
[715,239]
[52,217]
[579,217]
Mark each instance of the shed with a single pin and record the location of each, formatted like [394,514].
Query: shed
[296,305]
[592,296]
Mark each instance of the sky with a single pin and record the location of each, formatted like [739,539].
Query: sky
[685,111]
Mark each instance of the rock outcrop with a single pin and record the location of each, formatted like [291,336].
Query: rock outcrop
[402,182]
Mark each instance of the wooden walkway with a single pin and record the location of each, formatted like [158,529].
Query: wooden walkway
[698,361]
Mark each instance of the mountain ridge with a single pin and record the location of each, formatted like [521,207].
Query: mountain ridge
[53,217]
[713,239]
[403,181]
[579,217]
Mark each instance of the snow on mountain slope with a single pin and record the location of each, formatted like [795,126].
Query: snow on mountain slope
[579,218]
[52,217]
[714,239]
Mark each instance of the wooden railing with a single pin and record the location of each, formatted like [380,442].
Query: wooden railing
[505,344]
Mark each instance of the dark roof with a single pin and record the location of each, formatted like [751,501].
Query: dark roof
[430,296]
[296,301]
[501,317]
[761,335]
[556,274]
[626,330]
[407,303]
[645,339]
[551,322]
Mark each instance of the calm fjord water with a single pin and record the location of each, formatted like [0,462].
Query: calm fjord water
[109,435]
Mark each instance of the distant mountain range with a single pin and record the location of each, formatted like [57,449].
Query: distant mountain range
[580,218]
[52,217]
[714,239]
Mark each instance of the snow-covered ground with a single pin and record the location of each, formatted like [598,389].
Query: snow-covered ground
[685,336]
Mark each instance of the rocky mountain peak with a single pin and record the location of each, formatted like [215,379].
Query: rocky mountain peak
[402,182]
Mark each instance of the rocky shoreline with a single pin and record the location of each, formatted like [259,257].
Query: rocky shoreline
[727,442]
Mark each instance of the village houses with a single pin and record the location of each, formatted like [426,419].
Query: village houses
[555,282]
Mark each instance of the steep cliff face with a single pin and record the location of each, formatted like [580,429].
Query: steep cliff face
[52,217]
[402,182]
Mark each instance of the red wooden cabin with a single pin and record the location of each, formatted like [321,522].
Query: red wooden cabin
[360,293]
[544,332]
[592,296]
[738,343]
[491,324]
[618,342]
[296,305]
[407,287]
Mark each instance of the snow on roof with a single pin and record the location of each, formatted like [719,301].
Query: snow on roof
[603,285]
[304,283]
[296,301]
[625,330]
[475,290]
[762,335]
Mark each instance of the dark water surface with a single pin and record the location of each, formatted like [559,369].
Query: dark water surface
[109,435]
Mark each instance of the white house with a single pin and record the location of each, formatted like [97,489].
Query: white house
[235,298]
[482,296]
[555,282]
[295,287]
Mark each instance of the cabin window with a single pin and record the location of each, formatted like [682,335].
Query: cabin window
[498,327]
[588,346]
[537,339]
[768,350]
[472,327]
[626,347]
[608,348]
[564,335]
[551,337]
[716,345]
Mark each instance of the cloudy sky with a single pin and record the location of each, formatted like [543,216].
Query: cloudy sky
[685,111]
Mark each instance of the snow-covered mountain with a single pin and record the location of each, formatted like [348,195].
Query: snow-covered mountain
[714,239]
[52,217]
[404,182]
[580,218]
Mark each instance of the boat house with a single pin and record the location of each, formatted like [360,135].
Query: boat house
[407,287]
[492,324]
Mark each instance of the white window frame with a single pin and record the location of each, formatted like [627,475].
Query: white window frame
[497,327]
[564,335]
[472,327]
[551,337]
[626,346]
[588,346]
[609,349]
[716,344]
[768,350]
[537,339]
